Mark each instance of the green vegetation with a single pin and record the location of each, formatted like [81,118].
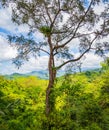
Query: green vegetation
[81,102]
[60,23]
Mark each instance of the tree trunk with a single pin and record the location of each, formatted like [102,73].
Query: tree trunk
[52,77]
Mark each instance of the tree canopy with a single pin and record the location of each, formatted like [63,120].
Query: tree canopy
[61,22]
[64,24]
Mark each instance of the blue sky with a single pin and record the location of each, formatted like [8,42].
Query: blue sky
[7,53]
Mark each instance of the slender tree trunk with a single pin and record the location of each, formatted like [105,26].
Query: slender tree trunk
[52,77]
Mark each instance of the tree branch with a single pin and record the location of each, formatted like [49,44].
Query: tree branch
[44,51]
[78,58]
[72,60]
[47,12]
[81,20]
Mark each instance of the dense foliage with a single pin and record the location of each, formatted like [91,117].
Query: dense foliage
[81,102]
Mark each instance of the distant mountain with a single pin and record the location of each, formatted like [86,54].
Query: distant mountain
[14,75]
[43,74]
[40,74]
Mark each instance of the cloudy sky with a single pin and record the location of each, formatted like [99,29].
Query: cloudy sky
[7,53]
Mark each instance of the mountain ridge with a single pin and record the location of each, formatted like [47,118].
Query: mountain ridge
[42,74]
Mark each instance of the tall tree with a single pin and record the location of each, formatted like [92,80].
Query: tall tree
[62,22]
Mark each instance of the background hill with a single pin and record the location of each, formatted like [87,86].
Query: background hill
[44,74]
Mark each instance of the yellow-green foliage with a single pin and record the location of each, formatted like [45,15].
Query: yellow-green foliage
[80,102]
[22,98]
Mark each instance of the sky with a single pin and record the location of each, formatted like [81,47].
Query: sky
[7,53]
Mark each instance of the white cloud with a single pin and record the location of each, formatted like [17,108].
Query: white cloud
[41,63]
[33,64]
[92,61]
[99,8]
[6,51]
[5,16]
[6,23]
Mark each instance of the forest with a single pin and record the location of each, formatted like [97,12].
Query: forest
[79,101]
